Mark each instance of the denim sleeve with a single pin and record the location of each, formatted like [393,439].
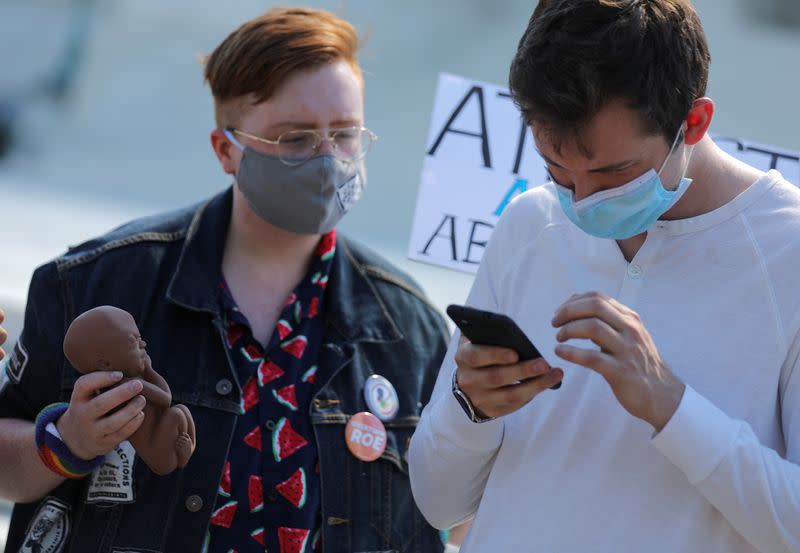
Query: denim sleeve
[30,374]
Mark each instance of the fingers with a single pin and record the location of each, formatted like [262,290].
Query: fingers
[498,390]
[591,305]
[599,361]
[87,427]
[471,355]
[88,384]
[125,432]
[502,401]
[115,422]
[113,398]
[500,376]
[596,330]
[520,394]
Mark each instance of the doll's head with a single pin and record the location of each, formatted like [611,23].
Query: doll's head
[106,339]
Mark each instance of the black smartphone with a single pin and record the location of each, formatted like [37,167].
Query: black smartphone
[493,329]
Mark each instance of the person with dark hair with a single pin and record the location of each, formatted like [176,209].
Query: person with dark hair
[660,275]
[272,329]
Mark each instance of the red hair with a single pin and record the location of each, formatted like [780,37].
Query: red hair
[255,59]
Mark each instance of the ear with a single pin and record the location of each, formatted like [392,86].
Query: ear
[227,154]
[698,120]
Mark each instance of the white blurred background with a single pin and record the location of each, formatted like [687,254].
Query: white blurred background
[104,115]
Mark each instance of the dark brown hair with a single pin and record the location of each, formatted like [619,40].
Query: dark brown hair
[576,55]
[255,59]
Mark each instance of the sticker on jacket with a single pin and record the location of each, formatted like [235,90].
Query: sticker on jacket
[17,362]
[112,482]
[48,529]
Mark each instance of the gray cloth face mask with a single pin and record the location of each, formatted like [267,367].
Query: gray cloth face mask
[310,198]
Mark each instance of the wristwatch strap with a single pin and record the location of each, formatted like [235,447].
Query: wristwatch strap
[472,412]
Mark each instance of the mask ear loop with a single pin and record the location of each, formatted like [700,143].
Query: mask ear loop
[233,140]
[236,143]
[672,149]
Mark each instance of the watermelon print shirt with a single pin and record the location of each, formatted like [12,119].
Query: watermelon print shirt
[269,496]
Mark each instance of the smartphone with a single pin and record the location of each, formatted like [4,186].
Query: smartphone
[493,329]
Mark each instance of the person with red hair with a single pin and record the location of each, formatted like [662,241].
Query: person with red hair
[272,328]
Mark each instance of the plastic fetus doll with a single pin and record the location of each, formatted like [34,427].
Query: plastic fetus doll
[107,339]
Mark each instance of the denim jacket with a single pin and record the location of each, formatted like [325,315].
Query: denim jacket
[165,271]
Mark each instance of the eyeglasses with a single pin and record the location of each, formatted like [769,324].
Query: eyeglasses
[296,147]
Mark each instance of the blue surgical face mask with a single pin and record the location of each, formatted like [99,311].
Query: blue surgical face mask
[624,211]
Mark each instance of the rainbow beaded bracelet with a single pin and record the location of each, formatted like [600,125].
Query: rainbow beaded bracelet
[54,452]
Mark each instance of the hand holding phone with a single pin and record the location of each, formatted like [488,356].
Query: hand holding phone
[494,385]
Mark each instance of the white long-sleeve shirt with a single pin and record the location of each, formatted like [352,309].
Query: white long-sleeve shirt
[572,471]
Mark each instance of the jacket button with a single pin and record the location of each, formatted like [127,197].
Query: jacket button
[194,503]
[224,387]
